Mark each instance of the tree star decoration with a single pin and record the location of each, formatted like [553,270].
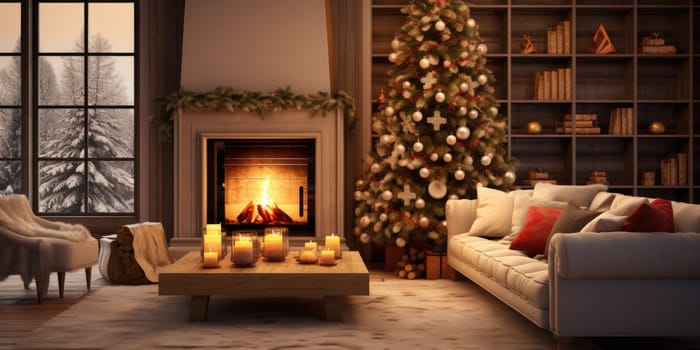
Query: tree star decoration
[428,80]
[407,124]
[437,120]
[406,195]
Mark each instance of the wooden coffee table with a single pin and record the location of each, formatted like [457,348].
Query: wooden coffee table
[266,279]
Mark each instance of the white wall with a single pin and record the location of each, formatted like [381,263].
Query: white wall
[256,45]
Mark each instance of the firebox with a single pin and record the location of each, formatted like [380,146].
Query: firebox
[255,183]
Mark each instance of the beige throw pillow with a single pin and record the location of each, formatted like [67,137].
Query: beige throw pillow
[493,213]
[581,195]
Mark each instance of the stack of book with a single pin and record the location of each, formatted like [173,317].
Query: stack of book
[553,84]
[585,124]
[655,44]
[538,175]
[597,177]
[559,38]
[621,121]
[674,170]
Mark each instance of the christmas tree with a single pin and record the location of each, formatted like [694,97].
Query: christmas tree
[439,130]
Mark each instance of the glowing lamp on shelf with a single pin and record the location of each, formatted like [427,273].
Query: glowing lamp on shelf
[657,127]
[533,127]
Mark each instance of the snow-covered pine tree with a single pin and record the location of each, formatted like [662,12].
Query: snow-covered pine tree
[10,125]
[439,130]
[110,136]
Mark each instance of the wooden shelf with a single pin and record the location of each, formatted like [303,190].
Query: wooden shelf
[658,87]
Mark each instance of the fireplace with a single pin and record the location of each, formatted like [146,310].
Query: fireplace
[202,137]
[258,183]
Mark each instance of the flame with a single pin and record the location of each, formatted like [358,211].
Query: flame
[264,200]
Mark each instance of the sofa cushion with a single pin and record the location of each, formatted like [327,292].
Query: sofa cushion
[686,217]
[571,220]
[580,195]
[493,213]
[605,222]
[538,225]
[602,201]
[656,216]
[522,201]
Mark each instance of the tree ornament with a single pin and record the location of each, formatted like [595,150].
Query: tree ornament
[439,26]
[423,222]
[434,157]
[359,183]
[406,94]
[493,111]
[462,110]
[378,126]
[400,148]
[463,132]
[365,195]
[437,120]
[375,168]
[400,242]
[447,157]
[482,48]
[387,195]
[365,221]
[440,97]
[451,139]
[486,160]
[357,195]
[424,63]
[389,111]
[420,203]
[464,87]
[396,228]
[364,238]
[428,80]
[437,189]
[471,23]
[406,195]
[395,44]
[468,160]
[407,125]
[482,79]
[417,146]
[509,176]
[383,217]
[381,96]
[406,85]
[459,175]
[417,116]
[473,114]
[424,172]
[447,63]
[393,57]
[385,139]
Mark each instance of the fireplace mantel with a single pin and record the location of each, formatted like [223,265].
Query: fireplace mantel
[194,128]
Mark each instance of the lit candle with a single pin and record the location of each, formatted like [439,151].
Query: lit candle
[213,228]
[308,256]
[327,257]
[310,245]
[213,242]
[333,242]
[211,259]
[274,246]
[243,252]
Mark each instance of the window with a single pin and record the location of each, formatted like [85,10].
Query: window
[82,106]
[11,151]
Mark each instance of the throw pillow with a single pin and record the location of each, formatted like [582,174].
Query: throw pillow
[606,222]
[602,201]
[571,220]
[581,195]
[686,217]
[538,225]
[521,203]
[624,205]
[493,213]
[656,216]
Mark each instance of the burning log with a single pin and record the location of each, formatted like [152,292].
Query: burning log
[266,214]
[248,214]
[281,215]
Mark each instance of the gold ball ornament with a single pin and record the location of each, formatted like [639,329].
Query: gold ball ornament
[657,127]
[533,127]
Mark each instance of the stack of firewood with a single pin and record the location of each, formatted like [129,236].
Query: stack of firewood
[411,265]
[266,214]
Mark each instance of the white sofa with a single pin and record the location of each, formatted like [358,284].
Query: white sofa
[589,284]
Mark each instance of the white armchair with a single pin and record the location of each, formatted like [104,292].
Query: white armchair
[34,247]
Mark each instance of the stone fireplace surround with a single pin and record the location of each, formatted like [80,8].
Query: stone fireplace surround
[194,128]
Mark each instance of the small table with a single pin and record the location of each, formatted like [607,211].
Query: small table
[288,278]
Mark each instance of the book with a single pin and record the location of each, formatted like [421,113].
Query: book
[567,87]
[613,126]
[582,116]
[682,169]
[579,123]
[551,41]
[673,171]
[538,93]
[567,37]
[560,38]
[554,85]
[649,41]
[584,130]
[547,80]
[561,84]
[629,118]
[663,49]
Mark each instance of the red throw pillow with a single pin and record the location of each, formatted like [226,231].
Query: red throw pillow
[656,216]
[533,237]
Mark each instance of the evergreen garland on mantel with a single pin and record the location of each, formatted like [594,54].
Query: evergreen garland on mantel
[231,100]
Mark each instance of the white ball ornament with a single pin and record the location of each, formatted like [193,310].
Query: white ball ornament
[395,44]
[509,176]
[383,217]
[493,111]
[375,168]
[420,203]
[389,111]
[471,23]
[462,110]
[406,94]
[451,139]
[417,116]
[440,25]
[424,172]
[482,79]
[437,189]
[424,63]
[447,157]
[440,97]
[418,146]
[434,157]
[396,228]
[468,160]
[365,221]
[359,183]
[447,63]
[423,221]
[459,175]
[463,132]
[400,242]
[464,87]
[357,196]
[364,238]
[486,160]
[473,114]
[482,48]
[400,149]
[393,57]
[385,139]
[406,85]
[387,195]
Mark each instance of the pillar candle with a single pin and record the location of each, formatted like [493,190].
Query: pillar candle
[310,245]
[243,252]
[333,242]
[308,256]
[211,259]
[274,246]
[212,243]
[327,257]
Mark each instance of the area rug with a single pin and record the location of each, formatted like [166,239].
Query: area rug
[398,314]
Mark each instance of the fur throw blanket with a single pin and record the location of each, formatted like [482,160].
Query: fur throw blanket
[16,215]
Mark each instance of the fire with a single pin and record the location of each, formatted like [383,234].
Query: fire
[265,211]
[263,197]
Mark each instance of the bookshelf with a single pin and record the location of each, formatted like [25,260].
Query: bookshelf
[659,87]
